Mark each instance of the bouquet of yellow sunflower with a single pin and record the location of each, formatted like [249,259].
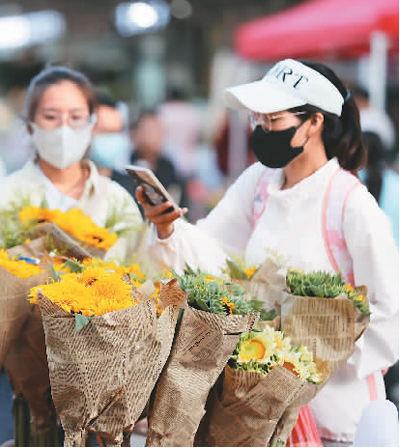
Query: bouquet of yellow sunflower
[265,374]
[72,232]
[215,315]
[105,346]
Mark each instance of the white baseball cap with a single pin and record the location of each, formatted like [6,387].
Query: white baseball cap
[288,84]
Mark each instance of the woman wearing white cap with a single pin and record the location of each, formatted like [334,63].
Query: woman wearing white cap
[302,201]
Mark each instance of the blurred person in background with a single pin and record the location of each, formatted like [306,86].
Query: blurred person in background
[148,137]
[182,124]
[373,119]
[60,116]
[222,142]
[111,147]
[306,134]
[382,182]
[15,148]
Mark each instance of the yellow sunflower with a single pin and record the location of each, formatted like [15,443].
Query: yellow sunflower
[257,347]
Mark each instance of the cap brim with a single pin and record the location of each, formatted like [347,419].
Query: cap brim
[260,96]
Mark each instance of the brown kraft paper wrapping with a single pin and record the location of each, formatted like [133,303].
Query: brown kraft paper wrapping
[289,417]
[66,244]
[329,327]
[26,366]
[26,362]
[247,409]
[291,413]
[14,306]
[203,344]
[102,376]
[268,284]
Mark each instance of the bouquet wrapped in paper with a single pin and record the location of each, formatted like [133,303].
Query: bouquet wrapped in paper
[215,316]
[316,309]
[71,233]
[105,347]
[17,277]
[26,362]
[265,374]
[328,316]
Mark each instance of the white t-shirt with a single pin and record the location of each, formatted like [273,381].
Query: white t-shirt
[291,225]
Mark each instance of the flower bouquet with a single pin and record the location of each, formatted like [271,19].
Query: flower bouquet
[212,321]
[328,316]
[324,313]
[105,347]
[72,233]
[17,276]
[265,374]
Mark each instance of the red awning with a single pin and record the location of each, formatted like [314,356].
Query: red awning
[330,29]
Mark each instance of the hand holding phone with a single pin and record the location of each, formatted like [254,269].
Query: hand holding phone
[154,190]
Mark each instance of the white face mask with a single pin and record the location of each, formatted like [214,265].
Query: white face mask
[62,147]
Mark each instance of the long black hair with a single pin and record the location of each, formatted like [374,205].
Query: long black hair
[342,135]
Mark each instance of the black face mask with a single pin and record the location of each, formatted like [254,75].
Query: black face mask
[273,148]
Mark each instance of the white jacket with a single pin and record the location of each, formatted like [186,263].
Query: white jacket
[291,225]
[102,199]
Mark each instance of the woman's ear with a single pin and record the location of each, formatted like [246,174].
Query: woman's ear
[317,123]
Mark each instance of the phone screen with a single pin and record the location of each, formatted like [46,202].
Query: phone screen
[153,194]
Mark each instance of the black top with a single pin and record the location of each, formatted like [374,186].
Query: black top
[165,172]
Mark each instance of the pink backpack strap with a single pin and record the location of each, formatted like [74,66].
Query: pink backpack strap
[261,194]
[339,188]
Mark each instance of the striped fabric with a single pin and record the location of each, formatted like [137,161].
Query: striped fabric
[305,431]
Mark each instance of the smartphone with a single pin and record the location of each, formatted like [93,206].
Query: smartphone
[155,192]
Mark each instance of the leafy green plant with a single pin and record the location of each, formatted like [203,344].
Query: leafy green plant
[213,294]
[324,284]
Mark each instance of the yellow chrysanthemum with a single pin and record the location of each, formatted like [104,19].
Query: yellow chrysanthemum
[19,268]
[292,363]
[260,352]
[229,306]
[300,363]
[281,343]
[250,272]
[257,348]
